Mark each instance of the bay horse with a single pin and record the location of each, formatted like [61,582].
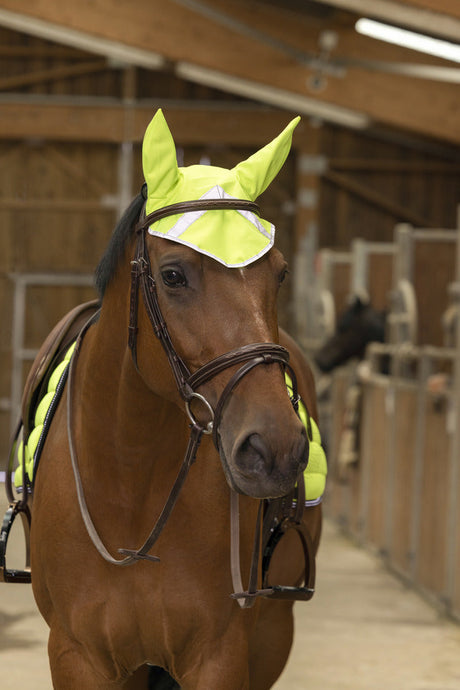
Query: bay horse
[184,354]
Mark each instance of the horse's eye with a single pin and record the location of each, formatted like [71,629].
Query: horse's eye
[173,277]
[283,275]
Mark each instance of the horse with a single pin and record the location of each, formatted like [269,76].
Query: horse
[175,412]
[359,325]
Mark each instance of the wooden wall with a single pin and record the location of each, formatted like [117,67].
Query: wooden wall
[372,184]
[52,221]
[434,269]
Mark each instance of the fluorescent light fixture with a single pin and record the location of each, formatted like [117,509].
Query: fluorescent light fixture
[304,105]
[408,39]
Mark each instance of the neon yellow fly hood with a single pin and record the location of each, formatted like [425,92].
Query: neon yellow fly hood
[234,238]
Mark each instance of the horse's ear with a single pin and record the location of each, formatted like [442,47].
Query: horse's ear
[256,173]
[159,159]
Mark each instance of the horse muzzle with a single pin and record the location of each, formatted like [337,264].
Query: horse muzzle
[264,459]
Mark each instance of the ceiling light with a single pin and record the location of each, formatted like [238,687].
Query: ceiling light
[408,39]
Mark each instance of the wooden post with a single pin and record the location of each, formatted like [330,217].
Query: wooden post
[310,167]
[125,160]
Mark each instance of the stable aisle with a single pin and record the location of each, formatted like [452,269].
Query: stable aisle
[365,630]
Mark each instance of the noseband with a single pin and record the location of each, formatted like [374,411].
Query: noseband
[248,356]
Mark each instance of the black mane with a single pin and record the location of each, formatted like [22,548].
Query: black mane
[116,247]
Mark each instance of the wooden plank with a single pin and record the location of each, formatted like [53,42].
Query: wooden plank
[74,171]
[432,547]
[428,16]
[402,499]
[341,286]
[375,198]
[52,74]
[374,455]
[191,124]
[308,185]
[336,504]
[388,98]
[456,565]
[437,260]
[53,205]
[449,7]
[41,51]
[46,305]
[389,166]
[380,279]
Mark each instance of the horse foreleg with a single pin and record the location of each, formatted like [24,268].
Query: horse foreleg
[224,680]
[70,668]
[225,672]
[272,641]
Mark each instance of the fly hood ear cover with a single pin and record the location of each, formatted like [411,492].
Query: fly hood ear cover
[234,238]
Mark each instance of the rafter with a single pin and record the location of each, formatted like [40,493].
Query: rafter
[106,122]
[51,74]
[240,63]
[435,17]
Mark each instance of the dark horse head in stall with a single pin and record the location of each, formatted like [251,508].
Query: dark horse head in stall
[359,325]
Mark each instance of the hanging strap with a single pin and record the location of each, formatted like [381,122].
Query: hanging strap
[245,598]
[131,555]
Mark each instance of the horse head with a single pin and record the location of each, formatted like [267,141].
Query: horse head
[215,276]
[359,325]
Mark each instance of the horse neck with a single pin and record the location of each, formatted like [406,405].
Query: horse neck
[124,419]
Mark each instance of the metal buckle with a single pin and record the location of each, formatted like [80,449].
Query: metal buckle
[209,426]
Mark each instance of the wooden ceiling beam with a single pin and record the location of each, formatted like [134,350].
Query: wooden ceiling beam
[451,8]
[235,61]
[437,18]
[216,125]
[17,81]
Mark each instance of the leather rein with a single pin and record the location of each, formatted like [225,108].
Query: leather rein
[248,356]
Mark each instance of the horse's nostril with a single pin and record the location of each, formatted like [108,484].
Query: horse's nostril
[254,456]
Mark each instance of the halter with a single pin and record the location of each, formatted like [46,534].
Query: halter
[248,356]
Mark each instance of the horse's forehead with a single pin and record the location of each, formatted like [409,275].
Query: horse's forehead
[165,250]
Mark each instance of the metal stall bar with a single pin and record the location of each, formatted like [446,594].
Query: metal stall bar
[402,318]
[323,312]
[361,252]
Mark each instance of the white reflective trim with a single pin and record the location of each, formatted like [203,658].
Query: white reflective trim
[240,264]
[189,217]
[313,502]
[183,224]
[252,218]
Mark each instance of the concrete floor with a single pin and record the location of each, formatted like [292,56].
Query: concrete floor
[363,630]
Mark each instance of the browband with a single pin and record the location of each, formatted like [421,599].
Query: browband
[199,205]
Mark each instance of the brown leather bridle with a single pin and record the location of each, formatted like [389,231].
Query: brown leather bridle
[187,383]
[248,356]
